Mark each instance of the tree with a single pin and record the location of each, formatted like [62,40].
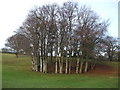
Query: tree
[67,17]
[63,32]
[18,43]
[90,29]
[110,47]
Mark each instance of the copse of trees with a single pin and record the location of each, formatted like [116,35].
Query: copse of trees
[56,34]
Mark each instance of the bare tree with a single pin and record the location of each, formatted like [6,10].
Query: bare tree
[110,47]
[89,30]
[64,32]
[18,42]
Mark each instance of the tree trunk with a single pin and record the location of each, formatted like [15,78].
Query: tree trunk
[41,65]
[81,67]
[69,67]
[33,64]
[56,66]
[38,62]
[66,68]
[86,67]
[61,64]
[45,66]
[56,58]
[77,65]
[16,55]
[36,66]
[51,54]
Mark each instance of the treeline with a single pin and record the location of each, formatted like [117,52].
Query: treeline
[58,33]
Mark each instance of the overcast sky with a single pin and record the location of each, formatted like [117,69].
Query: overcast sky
[14,12]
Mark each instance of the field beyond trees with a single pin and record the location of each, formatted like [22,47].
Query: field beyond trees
[17,73]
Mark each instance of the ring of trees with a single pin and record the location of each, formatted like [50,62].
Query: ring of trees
[64,39]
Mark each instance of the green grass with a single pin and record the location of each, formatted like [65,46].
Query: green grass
[17,74]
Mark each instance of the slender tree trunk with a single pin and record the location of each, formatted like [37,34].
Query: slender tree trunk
[16,55]
[38,62]
[81,67]
[56,57]
[69,67]
[51,54]
[56,66]
[41,65]
[41,60]
[45,56]
[36,65]
[33,64]
[61,64]
[86,67]
[66,68]
[44,66]
[77,65]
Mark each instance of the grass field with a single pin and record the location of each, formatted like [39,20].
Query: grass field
[17,74]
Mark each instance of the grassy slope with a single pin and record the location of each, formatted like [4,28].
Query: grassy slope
[17,74]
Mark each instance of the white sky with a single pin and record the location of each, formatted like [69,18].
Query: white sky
[14,12]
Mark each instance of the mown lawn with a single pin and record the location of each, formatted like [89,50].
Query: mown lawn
[17,74]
